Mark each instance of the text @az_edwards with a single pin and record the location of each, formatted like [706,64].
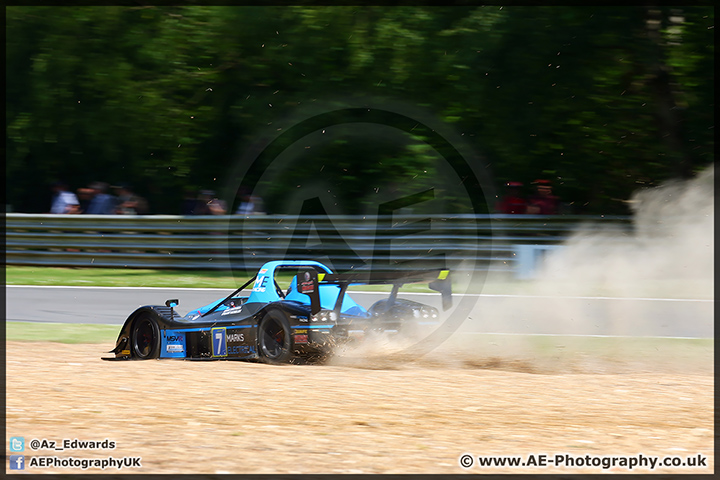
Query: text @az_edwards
[71,444]
[605,462]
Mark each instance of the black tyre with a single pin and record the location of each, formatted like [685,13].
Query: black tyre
[274,341]
[145,338]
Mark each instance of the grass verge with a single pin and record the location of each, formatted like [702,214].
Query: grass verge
[61,332]
[120,277]
[132,277]
[495,284]
[542,345]
[558,345]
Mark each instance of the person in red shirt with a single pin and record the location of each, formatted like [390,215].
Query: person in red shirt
[513,200]
[543,202]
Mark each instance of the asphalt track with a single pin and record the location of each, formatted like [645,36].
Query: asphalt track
[512,314]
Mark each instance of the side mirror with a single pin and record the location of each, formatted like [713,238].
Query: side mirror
[172,303]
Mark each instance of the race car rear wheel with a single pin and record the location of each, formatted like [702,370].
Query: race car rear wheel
[145,337]
[274,341]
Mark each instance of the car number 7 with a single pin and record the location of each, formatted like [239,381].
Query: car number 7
[218,337]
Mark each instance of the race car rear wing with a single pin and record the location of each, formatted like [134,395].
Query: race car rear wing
[309,280]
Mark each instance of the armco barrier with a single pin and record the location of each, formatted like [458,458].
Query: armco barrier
[461,242]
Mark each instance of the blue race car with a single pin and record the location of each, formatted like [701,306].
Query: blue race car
[276,326]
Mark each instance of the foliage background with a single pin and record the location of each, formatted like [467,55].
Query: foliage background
[602,100]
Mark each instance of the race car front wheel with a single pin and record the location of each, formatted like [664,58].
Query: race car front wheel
[274,342]
[145,337]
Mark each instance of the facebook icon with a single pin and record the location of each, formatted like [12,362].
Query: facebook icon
[17,462]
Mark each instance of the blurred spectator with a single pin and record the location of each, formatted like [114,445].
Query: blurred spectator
[249,204]
[102,203]
[189,201]
[208,204]
[128,203]
[63,200]
[543,202]
[84,195]
[201,203]
[513,201]
[216,206]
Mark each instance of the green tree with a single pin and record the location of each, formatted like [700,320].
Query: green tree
[602,100]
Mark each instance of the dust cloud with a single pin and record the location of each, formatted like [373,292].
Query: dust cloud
[669,252]
[610,300]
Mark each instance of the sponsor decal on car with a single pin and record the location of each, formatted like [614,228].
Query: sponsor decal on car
[240,349]
[307,285]
[174,344]
[235,337]
[301,338]
[219,342]
[232,310]
[260,284]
